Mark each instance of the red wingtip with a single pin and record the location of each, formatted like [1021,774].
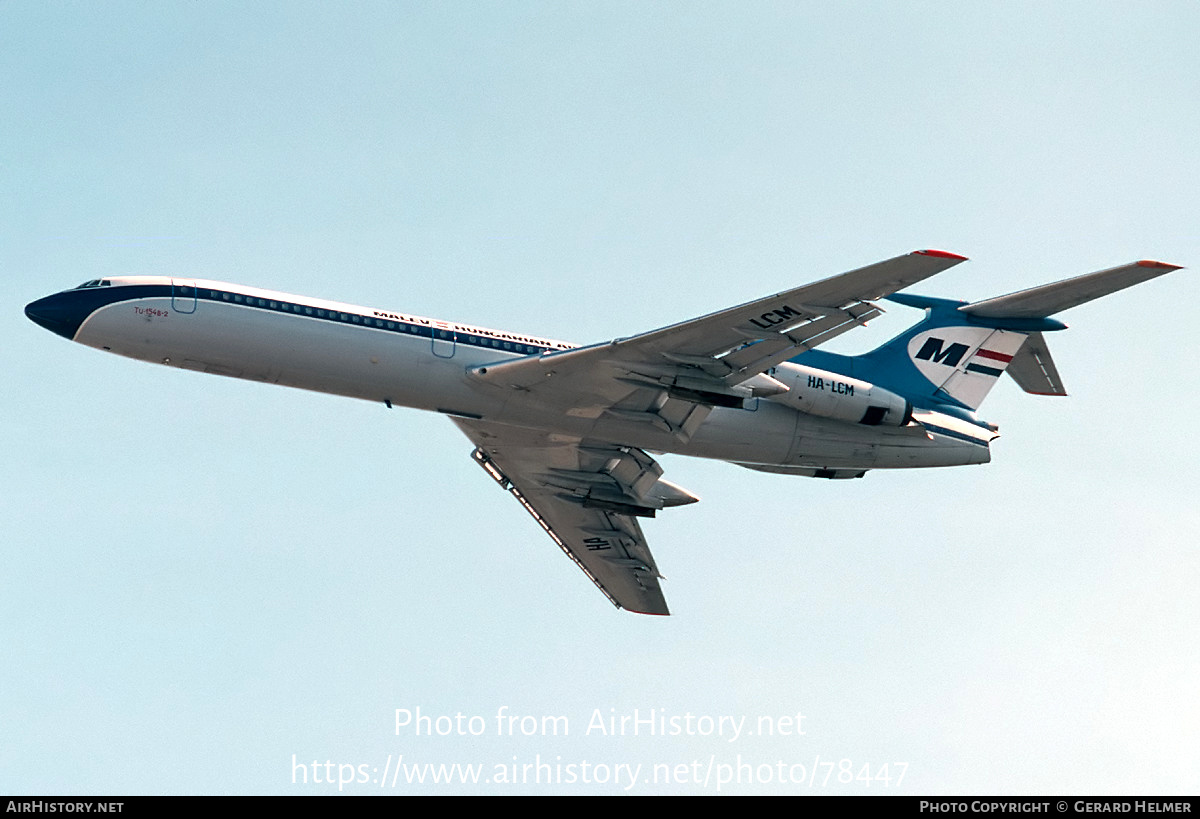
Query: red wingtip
[1152,263]
[942,254]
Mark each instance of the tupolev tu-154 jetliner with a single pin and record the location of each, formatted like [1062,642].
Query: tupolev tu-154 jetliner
[567,429]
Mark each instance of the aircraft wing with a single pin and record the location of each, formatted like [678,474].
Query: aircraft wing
[715,360]
[1048,299]
[587,496]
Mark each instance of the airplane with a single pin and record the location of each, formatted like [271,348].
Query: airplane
[569,430]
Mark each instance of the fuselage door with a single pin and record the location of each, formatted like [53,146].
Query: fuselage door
[183,295]
[444,339]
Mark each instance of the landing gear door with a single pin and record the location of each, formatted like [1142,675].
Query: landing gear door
[183,295]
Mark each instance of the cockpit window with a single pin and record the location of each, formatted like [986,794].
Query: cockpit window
[95,283]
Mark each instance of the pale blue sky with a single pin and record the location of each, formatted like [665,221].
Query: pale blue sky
[204,577]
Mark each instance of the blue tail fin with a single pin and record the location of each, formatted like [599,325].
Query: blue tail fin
[949,358]
[959,351]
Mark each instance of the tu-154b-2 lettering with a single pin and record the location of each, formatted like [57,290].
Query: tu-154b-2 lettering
[567,429]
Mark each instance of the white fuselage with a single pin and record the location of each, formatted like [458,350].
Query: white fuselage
[406,360]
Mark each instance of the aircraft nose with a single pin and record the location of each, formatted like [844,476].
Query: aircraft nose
[59,313]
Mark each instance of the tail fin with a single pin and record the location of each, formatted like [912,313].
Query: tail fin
[959,351]
[951,357]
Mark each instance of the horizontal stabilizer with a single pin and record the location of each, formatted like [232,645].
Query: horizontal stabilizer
[1048,299]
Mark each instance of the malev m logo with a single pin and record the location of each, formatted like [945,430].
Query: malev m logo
[932,350]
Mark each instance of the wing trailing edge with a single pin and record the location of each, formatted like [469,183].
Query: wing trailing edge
[719,359]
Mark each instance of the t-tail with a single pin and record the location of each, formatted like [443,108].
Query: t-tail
[953,358]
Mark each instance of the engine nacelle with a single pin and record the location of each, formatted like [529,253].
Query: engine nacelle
[830,395]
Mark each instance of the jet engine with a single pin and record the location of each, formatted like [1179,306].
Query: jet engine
[830,395]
